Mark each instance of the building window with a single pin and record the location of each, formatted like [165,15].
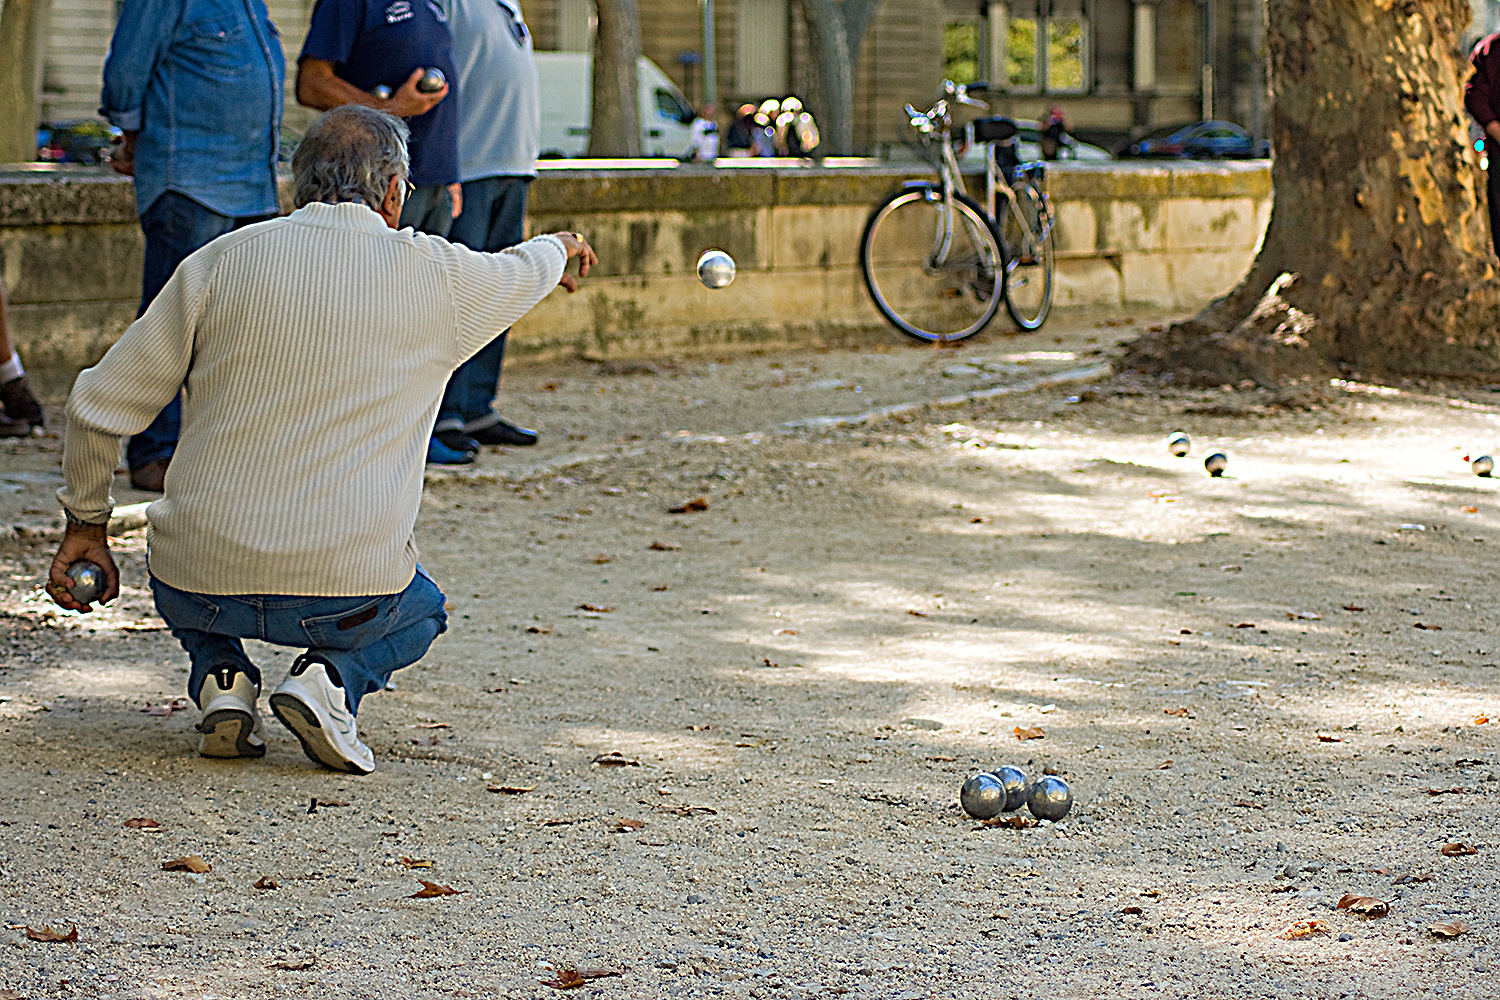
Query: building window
[962,45]
[1046,46]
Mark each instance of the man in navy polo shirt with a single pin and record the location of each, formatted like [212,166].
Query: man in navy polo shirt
[354,46]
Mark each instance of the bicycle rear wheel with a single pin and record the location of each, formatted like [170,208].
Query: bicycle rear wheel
[931,280]
[1028,257]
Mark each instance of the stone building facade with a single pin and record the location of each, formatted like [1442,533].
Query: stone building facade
[1115,66]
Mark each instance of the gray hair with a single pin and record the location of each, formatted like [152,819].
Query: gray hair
[350,154]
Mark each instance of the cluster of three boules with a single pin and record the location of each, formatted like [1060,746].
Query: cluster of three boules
[1006,789]
[1179,444]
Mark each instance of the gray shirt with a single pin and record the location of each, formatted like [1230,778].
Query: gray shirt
[500,119]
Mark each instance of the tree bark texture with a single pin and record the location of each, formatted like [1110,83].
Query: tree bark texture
[20,46]
[1377,255]
[615,121]
[836,30]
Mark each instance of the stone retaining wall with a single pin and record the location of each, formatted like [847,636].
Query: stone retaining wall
[1170,236]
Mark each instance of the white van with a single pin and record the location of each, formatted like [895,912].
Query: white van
[567,92]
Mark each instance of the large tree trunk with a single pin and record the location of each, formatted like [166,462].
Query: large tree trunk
[1377,254]
[20,33]
[615,125]
[836,30]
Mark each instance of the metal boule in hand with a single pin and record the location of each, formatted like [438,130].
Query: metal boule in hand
[715,268]
[1216,463]
[431,81]
[88,581]
[381,91]
[1178,444]
[1050,798]
[981,796]
[1483,466]
[1015,783]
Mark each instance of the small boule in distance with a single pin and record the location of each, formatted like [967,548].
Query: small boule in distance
[1178,444]
[715,268]
[88,581]
[1050,798]
[1015,783]
[431,81]
[1216,463]
[1483,466]
[981,796]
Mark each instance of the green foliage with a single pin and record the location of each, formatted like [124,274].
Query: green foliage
[961,41]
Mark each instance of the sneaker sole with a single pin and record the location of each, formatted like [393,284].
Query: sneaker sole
[227,733]
[303,721]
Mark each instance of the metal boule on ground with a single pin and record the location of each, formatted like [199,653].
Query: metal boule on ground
[982,796]
[1179,444]
[1015,783]
[1216,463]
[1050,798]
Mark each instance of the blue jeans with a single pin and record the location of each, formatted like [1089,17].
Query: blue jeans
[494,217]
[365,638]
[175,226]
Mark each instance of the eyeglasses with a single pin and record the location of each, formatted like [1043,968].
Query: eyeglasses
[411,188]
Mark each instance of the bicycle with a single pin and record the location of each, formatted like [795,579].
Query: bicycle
[936,262]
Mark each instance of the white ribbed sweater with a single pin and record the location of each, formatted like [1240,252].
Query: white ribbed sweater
[315,349]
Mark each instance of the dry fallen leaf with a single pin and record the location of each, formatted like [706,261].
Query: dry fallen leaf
[1365,906]
[689,810]
[431,889]
[663,588]
[1457,850]
[266,883]
[1249,804]
[1325,738]
[697,503]
[1455,790]
[511,789]
[537,630]
[1304,929]
[1429,628]
[915,613]
[48,934]
[295,964]
[567,979]
[1469,510]
[335,803]
[414,862]
[943,760]
[192,863]
[629,825]
[663,547]
[601,559]
[1131,910]
[1243,625]
[615,759]
[1480,720]
[1412,878]
[1163,765]
[597,609]
[1352,607]
[1179,712]
[979,520]
[1029,733]
[421,725]
[1448,929]
[141,823]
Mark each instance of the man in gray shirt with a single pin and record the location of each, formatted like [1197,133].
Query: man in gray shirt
[499,135]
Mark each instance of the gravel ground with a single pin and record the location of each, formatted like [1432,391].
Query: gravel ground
[1265,690]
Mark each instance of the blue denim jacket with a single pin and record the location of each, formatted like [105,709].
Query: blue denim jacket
[201,80]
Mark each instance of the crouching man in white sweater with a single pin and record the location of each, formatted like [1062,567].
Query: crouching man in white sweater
[314,349]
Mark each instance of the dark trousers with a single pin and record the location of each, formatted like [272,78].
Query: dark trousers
[493,218]
[1492,189]
[175,225]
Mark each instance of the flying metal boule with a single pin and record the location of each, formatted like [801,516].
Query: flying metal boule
[715,268]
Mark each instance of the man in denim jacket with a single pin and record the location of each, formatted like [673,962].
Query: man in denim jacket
[196,86]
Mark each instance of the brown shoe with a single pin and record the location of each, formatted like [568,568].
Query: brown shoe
[20,405]
[150,477]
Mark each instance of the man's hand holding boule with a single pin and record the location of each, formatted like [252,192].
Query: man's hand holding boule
[82,541]
[578,247]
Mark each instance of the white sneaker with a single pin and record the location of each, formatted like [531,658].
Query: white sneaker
[230,725]
[311,703]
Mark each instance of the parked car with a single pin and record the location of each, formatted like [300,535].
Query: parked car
[82,140]
[1204,140]
[1029,146]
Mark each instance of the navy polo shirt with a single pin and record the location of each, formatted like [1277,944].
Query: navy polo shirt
[371,42]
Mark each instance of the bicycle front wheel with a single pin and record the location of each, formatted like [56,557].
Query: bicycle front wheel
[1026,232]
[936,273]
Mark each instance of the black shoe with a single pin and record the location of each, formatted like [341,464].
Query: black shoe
[457,440]
[501,432]
[20,404]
